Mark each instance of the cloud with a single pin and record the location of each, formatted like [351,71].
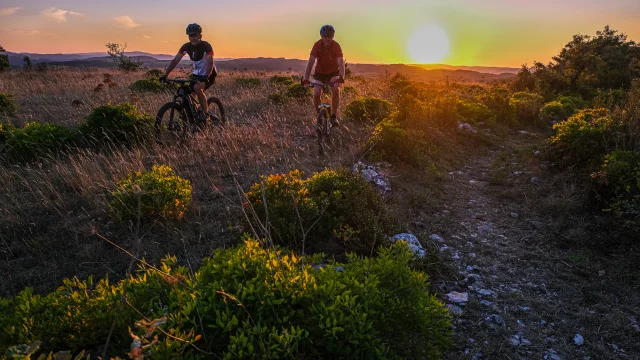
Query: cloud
[35,32]
[59,14]
[125,22]
[146,37]
[9,11]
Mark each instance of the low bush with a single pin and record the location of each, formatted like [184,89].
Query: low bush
[118,124]
[618,182]
[474,113]
[244,302]
[4,130]
[8,105]
[160,193]
[368,110]
[585,138]
[248,81]
[277,98]
[335,212]
[149,85]
[37,140]
[527,107]
[153,74]
[298,92]
[282,80]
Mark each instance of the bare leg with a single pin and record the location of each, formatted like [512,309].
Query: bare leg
[199,88]
[335,101]
[316,98]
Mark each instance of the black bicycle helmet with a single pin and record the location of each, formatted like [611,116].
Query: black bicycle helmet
[327,30]
[194,29]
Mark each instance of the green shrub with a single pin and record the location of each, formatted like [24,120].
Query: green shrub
[497,99]
[37,140]
[248,81]
[527,107]
[149,85]
[298,92]
[585,137]
[244,302]
[350,91]
[561,109]
[553,111]
[333,211]
[394,144]
[473,112]
[282,80]
[119,124]
[8,105]
[618,182]
[371,110]
[4,130]
[277,98]
[153,74]
[161,192]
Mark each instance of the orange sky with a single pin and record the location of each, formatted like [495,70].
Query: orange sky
[491,33]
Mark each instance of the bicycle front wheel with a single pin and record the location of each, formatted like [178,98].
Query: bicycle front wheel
[171,124]
[216,110]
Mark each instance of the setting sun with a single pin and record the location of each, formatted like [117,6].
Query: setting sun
[428,44]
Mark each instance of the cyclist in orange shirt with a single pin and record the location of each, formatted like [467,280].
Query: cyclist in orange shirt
[329,68]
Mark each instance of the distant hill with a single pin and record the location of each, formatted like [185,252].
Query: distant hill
[417,72]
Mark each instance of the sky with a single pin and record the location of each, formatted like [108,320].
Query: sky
[476,32]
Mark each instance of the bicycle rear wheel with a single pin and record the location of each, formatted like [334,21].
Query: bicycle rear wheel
[171,124]
[321,125]
[216,110]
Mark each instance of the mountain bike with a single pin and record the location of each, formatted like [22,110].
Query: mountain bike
[323,123]
[179,118]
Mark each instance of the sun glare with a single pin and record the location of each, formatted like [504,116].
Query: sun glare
[428,44]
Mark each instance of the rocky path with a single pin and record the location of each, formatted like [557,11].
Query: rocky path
[515,294]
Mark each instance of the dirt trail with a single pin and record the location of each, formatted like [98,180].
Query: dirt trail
[527,299]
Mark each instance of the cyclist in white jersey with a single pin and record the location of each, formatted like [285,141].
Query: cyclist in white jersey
[201,55]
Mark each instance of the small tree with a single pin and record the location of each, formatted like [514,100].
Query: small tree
[4,60]
[124,63]
[27,62]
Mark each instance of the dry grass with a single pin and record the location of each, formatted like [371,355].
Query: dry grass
[49,209]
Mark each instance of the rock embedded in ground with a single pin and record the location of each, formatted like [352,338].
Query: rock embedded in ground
[517,340]
[515,215]
[374,176]
[494,321]
[454,310]
[436,237]
[412,241]
[463,126]
[578,340]
[551,354]
[457,297]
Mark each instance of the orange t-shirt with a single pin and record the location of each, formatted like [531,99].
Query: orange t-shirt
[327,57]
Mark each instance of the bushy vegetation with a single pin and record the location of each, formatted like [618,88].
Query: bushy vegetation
[282,80]
[368,110]
[605,61]
[153,74]
[333,212]
[4,130]
[561,109]
[4,60]
[118,124]
[124,63]
[37,140]
[8,105]
[158,193]
[298,92]
[294,91]
[527,107]
[248,81]
[585,137]
[149,85]
[243,302]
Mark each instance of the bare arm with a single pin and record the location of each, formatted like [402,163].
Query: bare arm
[209,66]
[341,69]
[173,64]
[307,72]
